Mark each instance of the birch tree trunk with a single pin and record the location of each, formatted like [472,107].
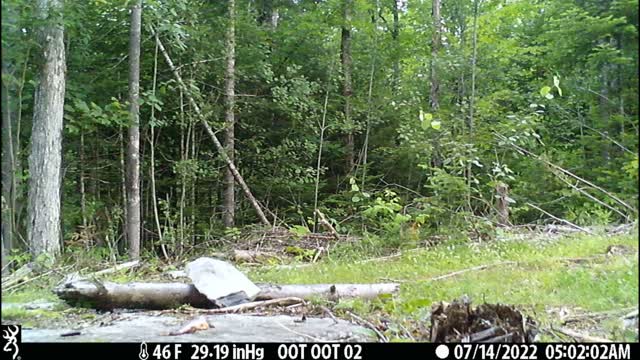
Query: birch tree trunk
[8,170]
[43,209]
[229,200]
[133,148]
[347,88]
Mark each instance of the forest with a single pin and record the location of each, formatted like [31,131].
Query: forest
[435,152]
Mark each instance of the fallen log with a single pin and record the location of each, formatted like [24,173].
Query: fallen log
[109,295]
[365,291]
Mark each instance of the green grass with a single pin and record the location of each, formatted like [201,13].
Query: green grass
[30,318]
[539,280]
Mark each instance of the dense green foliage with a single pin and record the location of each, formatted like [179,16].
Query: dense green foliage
[557,78]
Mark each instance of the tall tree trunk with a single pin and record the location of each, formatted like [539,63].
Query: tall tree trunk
[43,225]
[229,200]
[83,197]
[374,56]
[123,190]
[347,88]
[435,49]
[434,92]
[474,56]
[471,120]
[8,170]
[133,148]
[152,142]
[17,195]
[395,34]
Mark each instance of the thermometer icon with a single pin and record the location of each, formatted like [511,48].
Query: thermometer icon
[144,355]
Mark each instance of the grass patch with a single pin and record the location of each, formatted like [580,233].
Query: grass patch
[540,279]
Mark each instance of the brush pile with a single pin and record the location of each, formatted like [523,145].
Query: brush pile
[459,321]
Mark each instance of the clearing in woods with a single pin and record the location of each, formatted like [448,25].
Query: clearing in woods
[582,282]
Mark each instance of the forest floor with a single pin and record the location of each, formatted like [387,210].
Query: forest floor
[585,283]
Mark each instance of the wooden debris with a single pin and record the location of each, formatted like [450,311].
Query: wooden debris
[582,337]
[116,268]
[252,256]
[72,333]
[368,324]
[20,275]
[192,326]
[561,220]
[256,304]
[327,225]
[462,322]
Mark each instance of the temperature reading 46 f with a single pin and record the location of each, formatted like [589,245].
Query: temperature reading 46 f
[166,352]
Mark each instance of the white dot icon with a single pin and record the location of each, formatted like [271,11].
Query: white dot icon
[442,351]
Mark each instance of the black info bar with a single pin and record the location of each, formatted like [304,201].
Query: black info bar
[321,351]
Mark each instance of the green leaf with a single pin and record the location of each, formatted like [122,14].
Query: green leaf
[545,90]
[425,119]
[549,96]
[435,125]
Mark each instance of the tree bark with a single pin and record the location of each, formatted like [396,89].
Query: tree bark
[347,87]
[108,295]
[83,198]
[8,170]
[212,135]
[229,201]
[123,189]
[363,291]
[152,142]
[133,146]
[474,56]
[43,225]
[395,34]
[502,204]
[434,93]
[435,49]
